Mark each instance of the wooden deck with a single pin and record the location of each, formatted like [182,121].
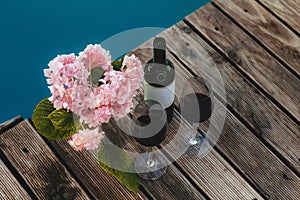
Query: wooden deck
[256,47]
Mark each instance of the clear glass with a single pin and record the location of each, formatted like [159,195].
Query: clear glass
[196,106]
[150,127]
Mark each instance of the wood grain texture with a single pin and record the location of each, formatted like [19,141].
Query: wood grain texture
[211,173]
[254,160]
[85,167]
[266,28]
[269,122]
[37,165]
[10,187]
[216,183]
[287,10]
[172,185]
[10,123]
[250,58]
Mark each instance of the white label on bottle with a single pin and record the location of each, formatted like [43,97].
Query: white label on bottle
[163,95]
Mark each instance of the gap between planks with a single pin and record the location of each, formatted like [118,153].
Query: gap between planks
[86,171]
[283,125]
[36,164]
[252,124]
[235,84]
[10,187]
[280,86]
[286,11]
[264,29]
[10,123]
[176,40]
[187,164]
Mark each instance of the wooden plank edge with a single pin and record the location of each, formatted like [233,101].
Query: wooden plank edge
[143,191]
[11,186]
[17,175]
[191,183]
[71,171]
[22,179]
[226,157]
[235,113]
[230,161]
[242,173]
[185,173]
[10,123]
[55,152]
[262,4]
[244,74]
[179,165]
[146,192]
[3,128]
[268,50]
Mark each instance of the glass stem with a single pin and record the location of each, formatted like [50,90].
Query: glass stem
[150,161]
[195,140]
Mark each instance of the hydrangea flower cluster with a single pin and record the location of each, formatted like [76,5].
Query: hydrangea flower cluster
[70,82]
[86,139]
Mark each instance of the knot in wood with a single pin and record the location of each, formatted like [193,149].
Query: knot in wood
[187,30]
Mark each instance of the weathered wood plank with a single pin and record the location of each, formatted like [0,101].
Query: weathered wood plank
[172,185]
[287,10]
[212,173]
[10,123]
[258,163]
[85,167]
[10,187]
[268,121]
[254,160]
[37,165]
[266,28]
[251,59]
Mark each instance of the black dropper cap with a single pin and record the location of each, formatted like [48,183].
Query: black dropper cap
[159,50]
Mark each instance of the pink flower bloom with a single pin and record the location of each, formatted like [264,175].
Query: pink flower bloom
[103,114]
[86,139]
[134,68]
[104,94]
[95,56]
[68,77]
[60,76]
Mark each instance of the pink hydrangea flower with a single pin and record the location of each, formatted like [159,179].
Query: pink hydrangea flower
[64,74]
[95,56]
[68,77]
[134,72]
[133,67]
[86,139]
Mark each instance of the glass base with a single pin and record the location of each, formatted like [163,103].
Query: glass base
[150,170]
[199,146]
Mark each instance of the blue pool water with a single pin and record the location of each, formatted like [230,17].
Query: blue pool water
[34,32]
